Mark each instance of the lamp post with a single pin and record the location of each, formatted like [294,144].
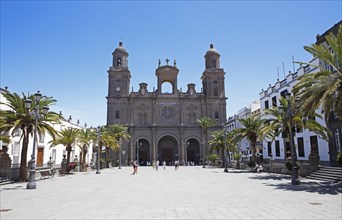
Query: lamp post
[225,150]
[36,114]
[98,151]
[120,154]
[294,179]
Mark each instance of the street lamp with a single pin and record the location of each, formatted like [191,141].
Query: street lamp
[225,150]
[36,114]
[120,154]
[294,180]
[98,151]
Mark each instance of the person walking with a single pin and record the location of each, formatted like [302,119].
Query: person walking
[135,167]
[157,165]
[164,164]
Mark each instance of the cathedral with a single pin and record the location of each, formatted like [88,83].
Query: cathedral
[162,125]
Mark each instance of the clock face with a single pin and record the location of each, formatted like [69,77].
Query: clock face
[167,113]
[118,89]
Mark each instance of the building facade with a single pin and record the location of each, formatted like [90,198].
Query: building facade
[309,146]
[243,147]
[44,153]
[163,124]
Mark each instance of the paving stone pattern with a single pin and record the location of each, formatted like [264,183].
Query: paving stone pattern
[188,193]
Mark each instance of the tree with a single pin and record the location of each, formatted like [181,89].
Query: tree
[66,137]
[119,132]
[323,88]
[109,141]
[252,130]
[85,137]
[20,118]
[217,143]
[205,123]
[279,121]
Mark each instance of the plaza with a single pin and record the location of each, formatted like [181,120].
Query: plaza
[188,193]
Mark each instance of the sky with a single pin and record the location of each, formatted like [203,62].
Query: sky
[64,48]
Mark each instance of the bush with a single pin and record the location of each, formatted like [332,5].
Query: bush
[288,165]
[213,158]
[251,164]
[339,158]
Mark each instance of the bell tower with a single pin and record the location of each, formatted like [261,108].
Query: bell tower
[119,78]
[119,74]
[213,86]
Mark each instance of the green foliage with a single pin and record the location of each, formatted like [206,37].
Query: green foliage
[288,165]
[339,158]
[252,130]
[213,158]
[279,121]
[237,157]
[323,88]
[17,117]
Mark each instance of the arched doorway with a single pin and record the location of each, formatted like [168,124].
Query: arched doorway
[144,151]
[193,151]
[168,149]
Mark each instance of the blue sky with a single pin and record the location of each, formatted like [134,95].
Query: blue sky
[64,48]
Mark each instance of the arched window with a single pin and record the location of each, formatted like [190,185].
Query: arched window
[118,62]
[166,87]
[213,63]
[215,82]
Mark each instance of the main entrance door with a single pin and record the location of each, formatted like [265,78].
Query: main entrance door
[168,149]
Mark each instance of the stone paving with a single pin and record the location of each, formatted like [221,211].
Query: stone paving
[188,193]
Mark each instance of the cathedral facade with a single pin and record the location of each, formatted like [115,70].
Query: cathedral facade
[162,125]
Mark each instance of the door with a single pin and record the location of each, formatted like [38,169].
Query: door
[40,155]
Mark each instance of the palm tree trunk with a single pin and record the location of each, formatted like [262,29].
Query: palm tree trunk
[68,149]
[84,164]
[23,161]
[253,151]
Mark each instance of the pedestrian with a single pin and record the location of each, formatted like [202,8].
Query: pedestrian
[176,165]
[164,164]
[157,165]
[135,167]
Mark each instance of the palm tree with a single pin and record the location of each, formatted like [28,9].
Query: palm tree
[66,137]
[323,88]
[85,137]
[231,144]
[109,141]
[279,121]
[205,123]
[217,143]
[119,132]
[18,117]
[251,130]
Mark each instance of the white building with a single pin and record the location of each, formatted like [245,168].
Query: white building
[234,123]
[305,141]
[43,150]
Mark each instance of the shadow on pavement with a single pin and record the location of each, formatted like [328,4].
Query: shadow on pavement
[11,187]
[312,187]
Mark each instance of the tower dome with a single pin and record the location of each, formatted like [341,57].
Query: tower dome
[120,57]
[212,58]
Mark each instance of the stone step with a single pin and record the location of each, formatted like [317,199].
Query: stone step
[324,178]
[326,173]
[5,180]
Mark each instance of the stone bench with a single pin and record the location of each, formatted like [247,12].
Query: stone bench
[46,174]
